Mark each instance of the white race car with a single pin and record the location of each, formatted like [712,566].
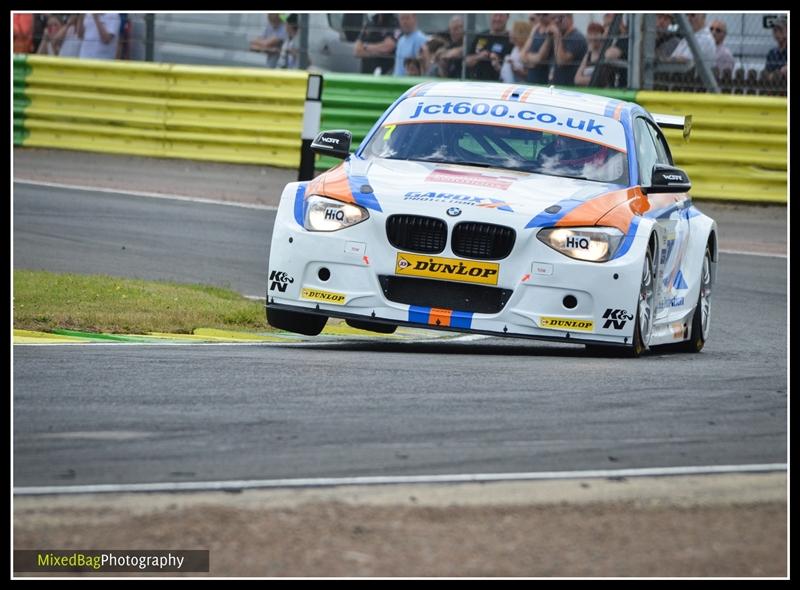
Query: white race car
[499,209]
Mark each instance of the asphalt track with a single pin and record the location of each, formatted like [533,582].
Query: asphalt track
[128,414]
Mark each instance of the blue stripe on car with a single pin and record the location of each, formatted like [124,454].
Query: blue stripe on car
[419,315]
[367,200]
[461,319]
[299,203]
[628,241]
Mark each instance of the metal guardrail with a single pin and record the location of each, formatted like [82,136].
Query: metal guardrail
[242,115]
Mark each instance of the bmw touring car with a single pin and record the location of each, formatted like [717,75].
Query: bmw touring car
[506,210]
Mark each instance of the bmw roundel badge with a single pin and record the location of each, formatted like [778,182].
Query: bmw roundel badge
[454,211]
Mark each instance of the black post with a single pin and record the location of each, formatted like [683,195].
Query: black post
[149,36]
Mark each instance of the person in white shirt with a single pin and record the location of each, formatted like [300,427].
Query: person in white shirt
[705,42]
[514,70]
[100,34]
[290,58]
[725,59]
[271,40]
[71,44]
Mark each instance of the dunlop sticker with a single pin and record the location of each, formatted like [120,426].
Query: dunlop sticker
[447,269]
[567,324]
[324,296]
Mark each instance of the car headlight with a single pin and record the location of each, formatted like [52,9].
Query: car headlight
[323,214]
[596,244]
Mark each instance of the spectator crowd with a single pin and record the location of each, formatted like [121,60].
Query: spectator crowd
[547,48]
[99,35]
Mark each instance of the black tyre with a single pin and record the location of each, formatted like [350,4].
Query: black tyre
[294,321]
[371,326]
[702,311]
[645,310]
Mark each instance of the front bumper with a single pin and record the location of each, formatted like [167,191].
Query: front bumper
[546,295]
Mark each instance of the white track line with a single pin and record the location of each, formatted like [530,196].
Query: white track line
[191,486]
[145,194]
[745,253]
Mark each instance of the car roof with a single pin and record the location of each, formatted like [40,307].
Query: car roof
[542,95]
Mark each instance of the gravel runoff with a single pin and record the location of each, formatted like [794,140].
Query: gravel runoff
[716,526]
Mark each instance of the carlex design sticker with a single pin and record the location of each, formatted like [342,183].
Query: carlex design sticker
[451,198]
[323,296]
[448,269]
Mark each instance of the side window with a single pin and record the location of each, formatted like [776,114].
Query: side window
[646,151]
[664,155]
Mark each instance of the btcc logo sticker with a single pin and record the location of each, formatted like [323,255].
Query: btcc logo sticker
[324,296]
[449,269]
[566,324]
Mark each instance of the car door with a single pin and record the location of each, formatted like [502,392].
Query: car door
[670,211]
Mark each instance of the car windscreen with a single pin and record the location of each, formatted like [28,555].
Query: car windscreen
[499,134]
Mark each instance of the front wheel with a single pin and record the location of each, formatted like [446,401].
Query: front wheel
[702,312]
[643,326]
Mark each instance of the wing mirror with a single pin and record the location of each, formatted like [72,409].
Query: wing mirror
[668,179]
[333,143]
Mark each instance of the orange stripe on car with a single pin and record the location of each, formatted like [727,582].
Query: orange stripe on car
[334,184]
[618,111]
[440,317]
[526,94]
[614,209]
[507,92]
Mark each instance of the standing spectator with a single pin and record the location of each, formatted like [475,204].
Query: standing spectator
[51,37]
[596,38]
[570,46]
[666,39]
[513,69]
[488,50]
[289,57]
[377,43]
[537,53]
[409,43]
[612,75]
[776,58]
[23,33]
[71,42]
[271,40]
[725,59]
[708,49]
[443,54]
[100,34]
[618,49]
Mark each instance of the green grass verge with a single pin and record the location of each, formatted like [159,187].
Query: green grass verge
[46,301]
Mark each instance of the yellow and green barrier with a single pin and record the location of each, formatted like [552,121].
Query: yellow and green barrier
[737,150]
[242,115]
